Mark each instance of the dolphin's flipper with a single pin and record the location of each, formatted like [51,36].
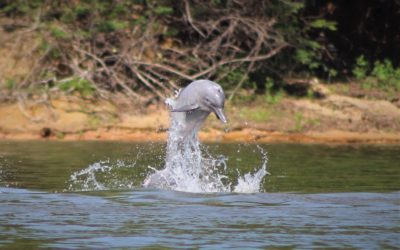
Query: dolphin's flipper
[186,108]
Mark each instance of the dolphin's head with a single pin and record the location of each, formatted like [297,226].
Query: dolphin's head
[202,95]
[212,99]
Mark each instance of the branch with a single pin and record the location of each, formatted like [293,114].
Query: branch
[190,20]
[147,83]
[166,68]
[111,73]
[245,59]
[240,83]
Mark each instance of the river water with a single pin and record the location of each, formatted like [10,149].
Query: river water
[91,195]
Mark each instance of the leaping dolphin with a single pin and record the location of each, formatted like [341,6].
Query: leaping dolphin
[189,110]
[193,105]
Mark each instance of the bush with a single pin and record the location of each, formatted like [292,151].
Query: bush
[361,68]
[82,86]
[383,75]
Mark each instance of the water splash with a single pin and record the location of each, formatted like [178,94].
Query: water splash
[187,169]
[249,182]
[103,175]
[194,170]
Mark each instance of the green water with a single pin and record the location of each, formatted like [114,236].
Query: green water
[316,196]
[292,167]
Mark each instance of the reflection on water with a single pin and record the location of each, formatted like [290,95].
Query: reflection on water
[316,197]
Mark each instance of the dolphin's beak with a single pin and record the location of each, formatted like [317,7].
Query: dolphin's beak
[219,112]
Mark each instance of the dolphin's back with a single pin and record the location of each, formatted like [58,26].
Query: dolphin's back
[192,91]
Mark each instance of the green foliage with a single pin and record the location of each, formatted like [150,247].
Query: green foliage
[383,75]
[324,24]
[141,20]
[310,93]
[171,32]
[295,7]
[58,32]
[163,10]
[257,114]
[81,11]
[361,68]
[83,20]
[386,74]
[307,56]
[298,122]
[383,71]
[54,53]
[111,25]
[309,52]
[10,84]
[93,16]
[20,7]
[271,96]
[119,10]
[233,78]
[332,73]
[216,2]
[82,86]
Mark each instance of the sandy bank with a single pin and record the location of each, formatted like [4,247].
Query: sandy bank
[246,135]
[335,119]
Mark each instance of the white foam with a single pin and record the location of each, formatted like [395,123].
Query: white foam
[188,170]
[251,183]
[102,175]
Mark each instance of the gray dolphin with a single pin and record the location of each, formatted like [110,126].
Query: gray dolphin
[189,110]
[195,102]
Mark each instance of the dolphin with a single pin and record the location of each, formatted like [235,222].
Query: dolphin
[189,110]
[193,105]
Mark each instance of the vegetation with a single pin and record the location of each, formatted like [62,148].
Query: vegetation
[147,48]
[381,75]
[272,96]
[82,86]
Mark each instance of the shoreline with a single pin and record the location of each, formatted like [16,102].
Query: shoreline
[335,119]
[212,136]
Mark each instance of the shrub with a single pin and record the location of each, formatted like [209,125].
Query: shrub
[82,86]
[361,68]
[383,75]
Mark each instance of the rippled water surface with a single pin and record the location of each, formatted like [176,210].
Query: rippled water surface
[90,195]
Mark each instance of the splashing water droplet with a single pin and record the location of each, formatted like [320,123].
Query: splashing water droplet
[251,183]
[103,175]
[188,170]
[189,167]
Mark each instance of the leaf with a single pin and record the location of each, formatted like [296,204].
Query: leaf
[303,56]
[324,24]
[163,10]
[58,32]
[296,7]
[312,44]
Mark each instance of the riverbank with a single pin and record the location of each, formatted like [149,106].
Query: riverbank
[246,136]
[335,118]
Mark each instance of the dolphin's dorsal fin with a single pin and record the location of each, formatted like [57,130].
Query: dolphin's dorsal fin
[186,108]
